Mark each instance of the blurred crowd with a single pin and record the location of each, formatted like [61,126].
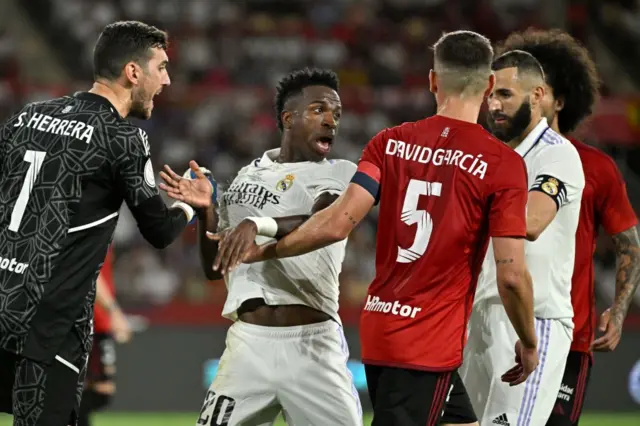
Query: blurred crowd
[226,57]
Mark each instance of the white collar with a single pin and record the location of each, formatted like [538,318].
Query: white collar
[269,158]
[532,138]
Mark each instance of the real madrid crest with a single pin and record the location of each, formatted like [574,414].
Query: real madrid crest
[550,186]
[285,184]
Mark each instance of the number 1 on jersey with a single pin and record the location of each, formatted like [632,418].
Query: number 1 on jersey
[35,160]
[411,216]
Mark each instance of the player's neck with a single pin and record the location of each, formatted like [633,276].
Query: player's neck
[119,97]
[532,125]
[460,109]
[288,154]
[554,124]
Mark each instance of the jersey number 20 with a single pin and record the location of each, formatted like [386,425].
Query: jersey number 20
[35,160]
[411,216]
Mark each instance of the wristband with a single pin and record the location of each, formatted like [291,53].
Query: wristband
[267,226]
[186,208]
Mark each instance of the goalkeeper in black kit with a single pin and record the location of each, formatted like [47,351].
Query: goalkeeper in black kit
[66,166]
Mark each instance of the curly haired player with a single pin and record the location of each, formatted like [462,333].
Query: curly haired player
[572,89]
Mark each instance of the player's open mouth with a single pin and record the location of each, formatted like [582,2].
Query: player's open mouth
[499,119]
[324,144]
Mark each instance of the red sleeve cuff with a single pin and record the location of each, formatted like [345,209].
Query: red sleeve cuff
[621,226]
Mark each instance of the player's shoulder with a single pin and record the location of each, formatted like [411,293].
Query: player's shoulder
[405,130]
[553,145]
[401,131]
[494,151]
[47,107]
[312,172]
[128,139]
[591,154]
[595,162]
[554,141]
[340,167]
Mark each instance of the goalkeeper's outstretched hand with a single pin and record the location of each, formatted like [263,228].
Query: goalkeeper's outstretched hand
[198,192]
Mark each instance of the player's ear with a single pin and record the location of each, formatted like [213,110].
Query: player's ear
[492,85]
[132,72]
[433,83]
[537,95]
[558,105]
[287,119]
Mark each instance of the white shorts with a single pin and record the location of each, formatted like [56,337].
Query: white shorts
[490,353]
[299,371]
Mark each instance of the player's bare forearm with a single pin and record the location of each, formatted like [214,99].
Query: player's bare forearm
[208,222]
[329,225]
[541,209]
[104,298]
[518,303]
[627,272]
[515,287]
[288,224]
[238,244]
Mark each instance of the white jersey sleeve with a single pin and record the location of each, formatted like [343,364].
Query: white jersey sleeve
[559,175]
[334,180]
[554,168]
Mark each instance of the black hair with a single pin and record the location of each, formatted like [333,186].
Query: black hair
[568,67]
[293,83]
[523,61]
[122,42]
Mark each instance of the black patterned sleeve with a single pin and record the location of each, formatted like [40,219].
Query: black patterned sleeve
[158,224]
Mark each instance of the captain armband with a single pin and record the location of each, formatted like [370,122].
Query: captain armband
[551,186]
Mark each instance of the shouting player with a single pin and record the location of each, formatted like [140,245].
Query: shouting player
[556,181]
[286,350]
[444,186]
[110,326]
[66,165]
[571,90]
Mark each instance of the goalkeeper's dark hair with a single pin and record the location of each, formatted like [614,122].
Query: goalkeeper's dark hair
[123,42]
[293,83]
[569,71]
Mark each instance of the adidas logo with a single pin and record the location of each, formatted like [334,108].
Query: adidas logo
[501,420]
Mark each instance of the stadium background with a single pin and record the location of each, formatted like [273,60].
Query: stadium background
[226,56]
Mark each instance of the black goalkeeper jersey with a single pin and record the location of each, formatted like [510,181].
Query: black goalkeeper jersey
[66,165]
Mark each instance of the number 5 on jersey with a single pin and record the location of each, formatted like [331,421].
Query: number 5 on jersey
[411,216]
[35,160]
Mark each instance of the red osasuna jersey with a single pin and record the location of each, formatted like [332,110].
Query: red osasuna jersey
[604,202]
[101,318]
[444,187]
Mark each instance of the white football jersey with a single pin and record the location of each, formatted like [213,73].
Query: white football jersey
[270,189]
[553,167]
